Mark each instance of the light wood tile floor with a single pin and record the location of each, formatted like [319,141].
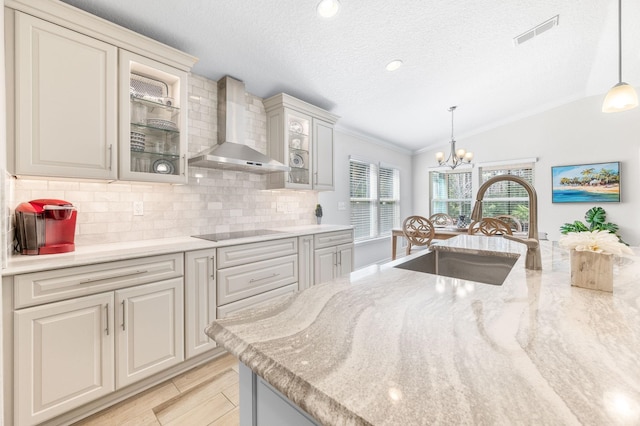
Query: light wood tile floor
[206,395]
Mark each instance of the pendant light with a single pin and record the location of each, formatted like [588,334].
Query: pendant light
[622,96]
[327,8]
[456,157]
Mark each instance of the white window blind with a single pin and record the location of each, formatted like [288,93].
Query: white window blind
[451,192]
[375,199]
[507,198]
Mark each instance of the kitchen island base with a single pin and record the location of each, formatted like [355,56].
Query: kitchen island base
[261,404]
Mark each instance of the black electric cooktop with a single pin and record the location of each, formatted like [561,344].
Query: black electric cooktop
[221,236]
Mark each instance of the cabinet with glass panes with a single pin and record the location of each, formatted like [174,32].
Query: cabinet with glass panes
[297,128]
[153,126]
[300,135]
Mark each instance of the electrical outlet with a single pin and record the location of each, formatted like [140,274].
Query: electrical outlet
[138,209]
[280,207]
[342,205]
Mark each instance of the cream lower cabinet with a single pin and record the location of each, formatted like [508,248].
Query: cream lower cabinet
[305,262]
[251,274]
[67,352]
[64,356]
[81,333]
[333,255]
[149,329]
[200,299]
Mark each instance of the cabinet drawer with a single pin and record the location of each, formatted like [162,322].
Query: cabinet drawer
[248,280]
[255,301]
[329,239]
[247,253]
[58,284]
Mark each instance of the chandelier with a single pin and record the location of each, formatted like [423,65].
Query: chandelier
[456,157]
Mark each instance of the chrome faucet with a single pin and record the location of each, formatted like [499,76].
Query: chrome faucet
[533,259]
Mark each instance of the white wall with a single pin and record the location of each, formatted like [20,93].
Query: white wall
[574,133]
[347,144]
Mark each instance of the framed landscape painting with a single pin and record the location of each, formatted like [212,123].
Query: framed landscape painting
[586,183]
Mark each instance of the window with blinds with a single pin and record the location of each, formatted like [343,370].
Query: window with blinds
[507,198]
[375,199]
[451,192]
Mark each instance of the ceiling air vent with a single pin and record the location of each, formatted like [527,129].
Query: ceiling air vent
[536,31]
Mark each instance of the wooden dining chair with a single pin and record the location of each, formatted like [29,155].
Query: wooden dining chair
[441,219]
[489,226]
[418,231]
[512,221]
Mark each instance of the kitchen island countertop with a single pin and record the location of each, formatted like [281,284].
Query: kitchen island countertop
[389,346]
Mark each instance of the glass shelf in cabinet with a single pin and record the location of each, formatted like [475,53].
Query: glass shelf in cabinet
[152,154]
[298,150]
[299,175]
[297,134]
[155,163]
[154,128]
[154,104]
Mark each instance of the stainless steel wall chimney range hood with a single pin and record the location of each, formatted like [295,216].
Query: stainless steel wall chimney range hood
[230,153]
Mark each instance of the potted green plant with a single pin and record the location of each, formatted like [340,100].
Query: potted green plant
[596,218]
[318,213]
[591,248]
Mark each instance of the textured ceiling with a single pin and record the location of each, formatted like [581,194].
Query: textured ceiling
[454,52]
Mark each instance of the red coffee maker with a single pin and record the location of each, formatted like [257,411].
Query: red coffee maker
[45,227]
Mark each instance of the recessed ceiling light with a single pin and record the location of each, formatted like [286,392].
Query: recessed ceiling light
[394,65]
[327,8]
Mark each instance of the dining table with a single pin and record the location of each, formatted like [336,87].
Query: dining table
[440,233]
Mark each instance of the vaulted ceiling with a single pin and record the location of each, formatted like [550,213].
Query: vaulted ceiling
[454,52]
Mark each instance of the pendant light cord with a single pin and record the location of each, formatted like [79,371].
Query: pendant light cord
[619,41]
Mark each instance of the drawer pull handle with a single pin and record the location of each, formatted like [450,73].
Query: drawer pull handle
[123,315]
[106,314]
[108,277]
[253,280]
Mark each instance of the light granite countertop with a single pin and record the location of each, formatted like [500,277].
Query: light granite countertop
[85,255]
[389,346]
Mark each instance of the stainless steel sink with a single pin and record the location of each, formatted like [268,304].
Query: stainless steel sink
[484,268]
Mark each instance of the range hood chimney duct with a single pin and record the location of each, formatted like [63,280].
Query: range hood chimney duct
[231,153]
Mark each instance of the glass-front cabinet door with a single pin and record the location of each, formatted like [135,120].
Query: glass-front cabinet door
[153,121]
[298,145]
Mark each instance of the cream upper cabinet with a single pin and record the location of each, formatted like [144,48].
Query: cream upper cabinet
[89,99]
[322,155]
[153,120]
[300,135]
[65,102]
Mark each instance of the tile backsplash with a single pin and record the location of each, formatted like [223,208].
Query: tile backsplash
[212,201]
